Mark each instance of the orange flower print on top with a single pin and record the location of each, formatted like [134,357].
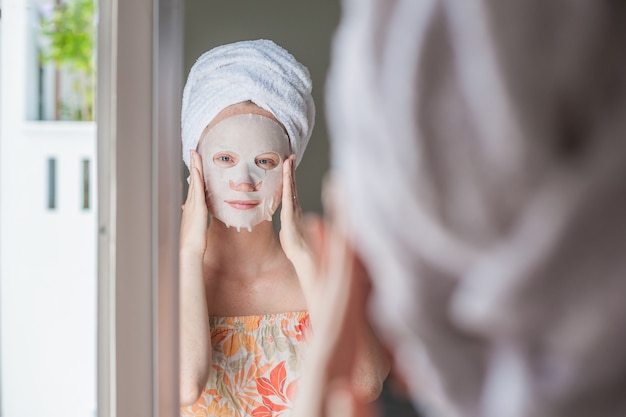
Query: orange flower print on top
[257,362]
[277,397]
[303,328]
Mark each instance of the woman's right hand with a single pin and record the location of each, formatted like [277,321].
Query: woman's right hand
[194,217]
[195,344]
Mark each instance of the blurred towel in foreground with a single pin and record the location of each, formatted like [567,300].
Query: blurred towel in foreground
[481,147]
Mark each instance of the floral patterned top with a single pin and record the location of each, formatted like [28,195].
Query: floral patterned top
[256,365]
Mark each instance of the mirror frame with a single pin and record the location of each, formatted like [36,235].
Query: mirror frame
[139,87]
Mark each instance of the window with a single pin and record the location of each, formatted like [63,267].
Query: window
[48,311]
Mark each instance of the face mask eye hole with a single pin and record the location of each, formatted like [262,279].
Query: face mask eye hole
[224,160]
[267,161]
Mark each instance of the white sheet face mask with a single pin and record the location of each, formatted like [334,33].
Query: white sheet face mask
[242,158]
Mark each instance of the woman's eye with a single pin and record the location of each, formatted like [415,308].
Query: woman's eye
[267,162]
[224,160]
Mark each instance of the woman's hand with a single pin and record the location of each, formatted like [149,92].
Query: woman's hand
[194,218]
[346,364]
[195,345]
[293,230]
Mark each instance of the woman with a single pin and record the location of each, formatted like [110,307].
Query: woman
[247,116]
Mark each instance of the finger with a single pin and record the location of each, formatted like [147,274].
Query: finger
[195,193]
[190,188]
[288,195]
[294,187]
[198,178]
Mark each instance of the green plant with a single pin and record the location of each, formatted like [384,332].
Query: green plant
[70,31]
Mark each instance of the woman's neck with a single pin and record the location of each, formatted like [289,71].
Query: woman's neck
[242,252]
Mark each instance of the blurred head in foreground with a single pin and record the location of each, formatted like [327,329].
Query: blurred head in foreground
[480,156]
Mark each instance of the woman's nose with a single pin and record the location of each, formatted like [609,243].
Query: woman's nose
[245,185]
[245,179]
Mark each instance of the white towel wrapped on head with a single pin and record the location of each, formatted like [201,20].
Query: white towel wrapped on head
[259,71]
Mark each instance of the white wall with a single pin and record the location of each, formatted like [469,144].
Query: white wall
[47,256]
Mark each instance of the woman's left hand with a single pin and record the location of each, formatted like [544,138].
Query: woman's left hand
[293,231]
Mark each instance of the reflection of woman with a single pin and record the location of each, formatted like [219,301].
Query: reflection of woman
[247,116]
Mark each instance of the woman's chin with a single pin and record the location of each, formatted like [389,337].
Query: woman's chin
[245,219]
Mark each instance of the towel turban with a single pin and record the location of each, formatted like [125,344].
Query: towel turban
[259,71]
